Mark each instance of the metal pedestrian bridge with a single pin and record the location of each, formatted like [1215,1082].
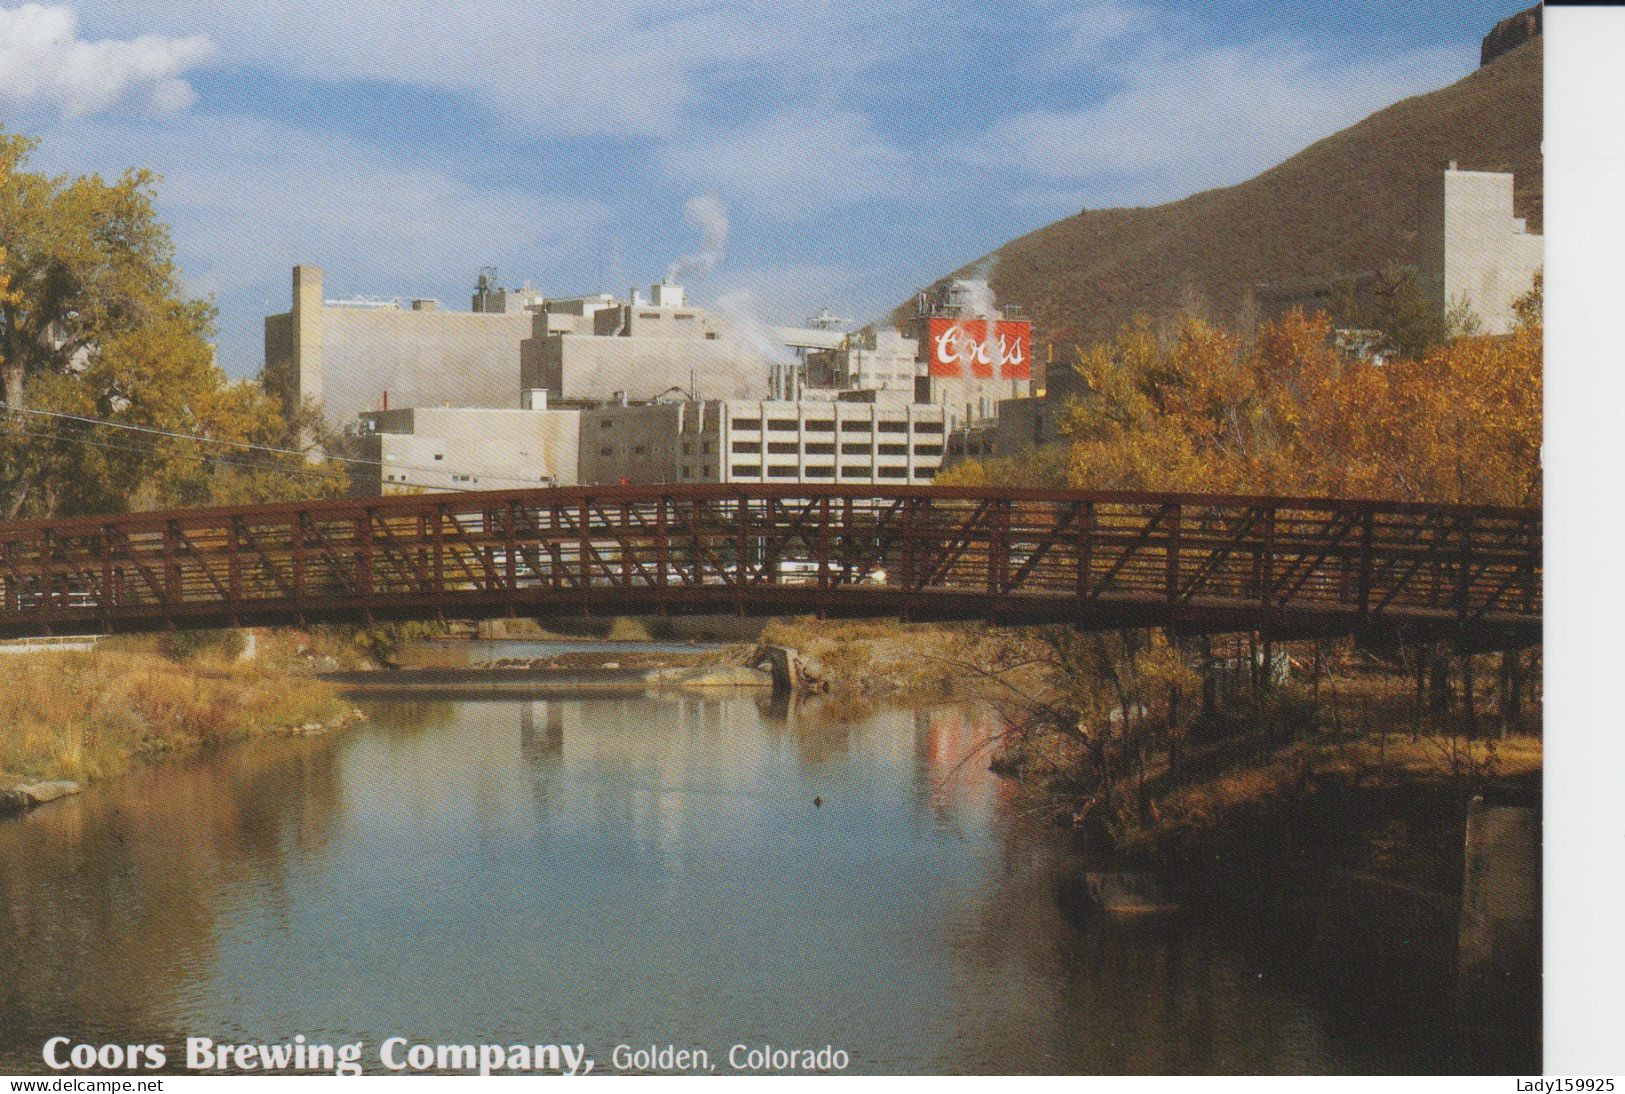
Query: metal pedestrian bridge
[1189,562]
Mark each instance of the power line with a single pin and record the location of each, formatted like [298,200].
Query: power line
[270,449]
[149,450]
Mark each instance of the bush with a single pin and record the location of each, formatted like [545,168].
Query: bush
[222,645]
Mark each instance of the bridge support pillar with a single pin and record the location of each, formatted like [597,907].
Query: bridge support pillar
[1500,940]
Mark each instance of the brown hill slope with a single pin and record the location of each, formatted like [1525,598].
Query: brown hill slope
[1346,205]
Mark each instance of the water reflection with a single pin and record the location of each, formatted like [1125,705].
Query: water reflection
[619,867]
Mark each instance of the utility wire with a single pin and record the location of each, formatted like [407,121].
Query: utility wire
[149,450]
[271,449]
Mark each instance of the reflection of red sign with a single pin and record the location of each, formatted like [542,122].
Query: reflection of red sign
[962,348]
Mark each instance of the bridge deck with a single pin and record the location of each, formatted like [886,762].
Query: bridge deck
[1095,559]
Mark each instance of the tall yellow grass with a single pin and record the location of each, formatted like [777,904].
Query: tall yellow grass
[86,716]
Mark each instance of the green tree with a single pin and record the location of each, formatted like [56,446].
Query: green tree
[1396,306]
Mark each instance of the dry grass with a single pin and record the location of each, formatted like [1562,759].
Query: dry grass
[889,657]
[86,716]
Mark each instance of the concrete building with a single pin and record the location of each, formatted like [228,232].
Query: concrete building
[1475,253]
[639,350]
[466,448]
[358,355]
[873,360]
[972,354]
[1019,425]
[885,441]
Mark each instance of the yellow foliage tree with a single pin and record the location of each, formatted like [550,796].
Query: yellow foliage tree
[1288,413]
[113,397]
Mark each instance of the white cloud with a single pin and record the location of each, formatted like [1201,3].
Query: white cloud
[44,62]
[794,162]
[1185,119]
[247,199]
[1088,31]
[561,68]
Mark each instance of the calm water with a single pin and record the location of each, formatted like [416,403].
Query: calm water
[637,868]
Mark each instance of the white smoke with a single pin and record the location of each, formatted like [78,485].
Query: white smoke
[976,300]
[707,213]
[740,313]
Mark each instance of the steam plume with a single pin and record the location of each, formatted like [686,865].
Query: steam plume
[707,213]
[741,314]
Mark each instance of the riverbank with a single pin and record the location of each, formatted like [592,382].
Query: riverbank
[83,716]
[1333,749]
[884,659]
[453,668]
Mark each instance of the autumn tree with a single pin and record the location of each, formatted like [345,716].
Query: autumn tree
[1287,413]
[113,399]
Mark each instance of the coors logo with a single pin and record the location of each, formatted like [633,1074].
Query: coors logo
[966,348]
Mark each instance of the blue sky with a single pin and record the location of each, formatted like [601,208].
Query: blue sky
[860,149]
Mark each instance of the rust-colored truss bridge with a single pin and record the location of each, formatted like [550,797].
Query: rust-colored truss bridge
[1191,562]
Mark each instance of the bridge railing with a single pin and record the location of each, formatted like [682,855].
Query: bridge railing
[778,548]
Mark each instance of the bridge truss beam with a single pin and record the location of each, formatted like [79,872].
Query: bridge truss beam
[1197,563]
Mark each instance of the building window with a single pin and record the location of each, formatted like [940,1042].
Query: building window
[708,472]
[783,425]
[782,471]
[747,423]
[608,450]
[747,470]
[745,446]
[688,449]
[894,427]
[855,471]
[705,448]
[648,315]
[925,472]
[927,450]
[894,472]
[928,427]
[894,450]
[857,449]
[823,472]
[688,472]
[823,425]
[783,448]
[820,448]
[606,423]
[857,426]
[439,455]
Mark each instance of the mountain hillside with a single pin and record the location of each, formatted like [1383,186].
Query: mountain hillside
[1348,205]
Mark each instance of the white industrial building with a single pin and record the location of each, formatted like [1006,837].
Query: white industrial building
[413,449]
[869,360]
[638,350]
[893,442]
[1475,253]
[348,356]
[970,388]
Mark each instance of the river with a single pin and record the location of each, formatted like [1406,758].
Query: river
[634,868]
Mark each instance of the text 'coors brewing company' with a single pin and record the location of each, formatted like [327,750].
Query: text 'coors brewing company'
[966,347]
